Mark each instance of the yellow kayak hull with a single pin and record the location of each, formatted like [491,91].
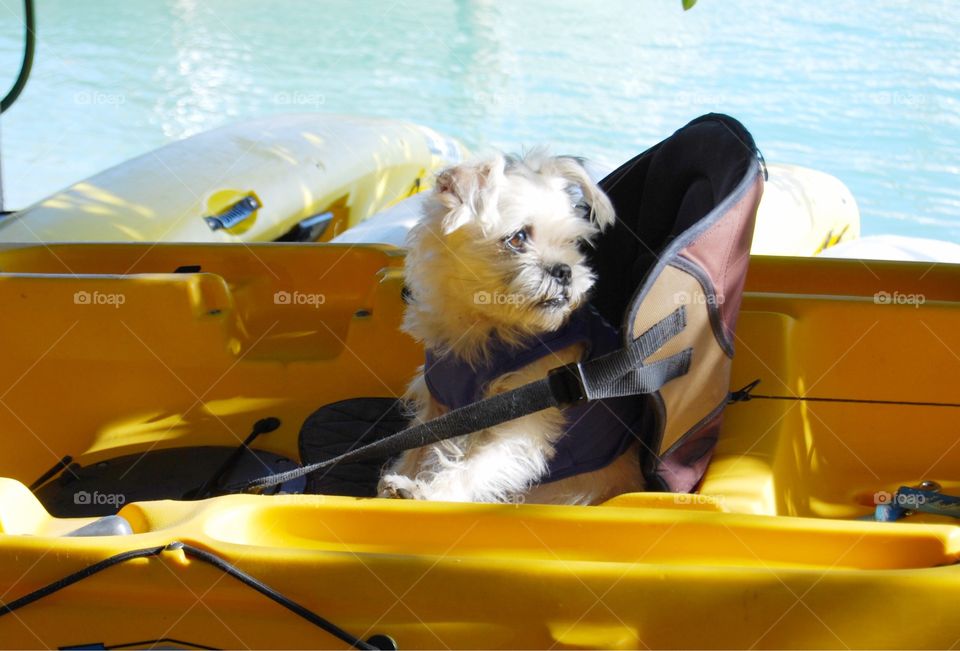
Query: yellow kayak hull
[299,166]
[803,211]
[767,554]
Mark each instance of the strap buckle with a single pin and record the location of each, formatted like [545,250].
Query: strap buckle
[567,385]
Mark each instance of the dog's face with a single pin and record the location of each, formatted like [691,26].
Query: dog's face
[505,240]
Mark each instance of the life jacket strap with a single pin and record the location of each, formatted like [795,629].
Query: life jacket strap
[617,374]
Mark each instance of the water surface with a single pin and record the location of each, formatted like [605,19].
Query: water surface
[869,92]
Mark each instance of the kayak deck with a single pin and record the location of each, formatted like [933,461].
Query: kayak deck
[195,358]
[469,576]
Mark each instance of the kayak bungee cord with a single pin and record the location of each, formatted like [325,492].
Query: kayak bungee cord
[375,642]
[79,575]
[745,395]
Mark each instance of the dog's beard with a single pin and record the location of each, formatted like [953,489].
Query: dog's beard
[544,303]
[470,291]
[469,294]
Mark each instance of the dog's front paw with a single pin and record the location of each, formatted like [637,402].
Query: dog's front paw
[399,487]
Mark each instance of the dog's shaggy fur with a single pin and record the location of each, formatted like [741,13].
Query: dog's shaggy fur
[499,256]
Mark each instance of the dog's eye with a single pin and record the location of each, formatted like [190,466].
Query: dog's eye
[518,241]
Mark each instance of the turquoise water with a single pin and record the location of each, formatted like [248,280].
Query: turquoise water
[869,92]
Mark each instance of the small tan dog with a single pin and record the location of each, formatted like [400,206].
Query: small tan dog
[499,279]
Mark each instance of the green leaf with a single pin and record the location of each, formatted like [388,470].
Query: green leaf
[688,4]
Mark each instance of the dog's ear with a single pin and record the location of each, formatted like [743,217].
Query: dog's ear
[469,192]
[571,170]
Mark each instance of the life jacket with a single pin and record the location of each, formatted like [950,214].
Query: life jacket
[596,432]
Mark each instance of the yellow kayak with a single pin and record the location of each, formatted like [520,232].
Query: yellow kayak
[803,212]
[769,553]
[288,177]
[138,375]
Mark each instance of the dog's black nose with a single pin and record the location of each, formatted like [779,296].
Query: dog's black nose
[561,272]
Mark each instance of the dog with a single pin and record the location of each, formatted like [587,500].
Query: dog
[496,268]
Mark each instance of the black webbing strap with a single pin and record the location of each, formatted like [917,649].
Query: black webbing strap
[622,372]
[617,374]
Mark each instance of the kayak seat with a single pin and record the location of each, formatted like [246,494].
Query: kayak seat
[342,426]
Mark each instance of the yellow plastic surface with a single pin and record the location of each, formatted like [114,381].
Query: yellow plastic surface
[297,166]
[803,211]
[768,554]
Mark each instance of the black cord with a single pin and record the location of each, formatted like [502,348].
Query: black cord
[206,557]
[29,46]
[262,426]
[857,400]
[163,643]
[70,579]
[272,594]
[745,395]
